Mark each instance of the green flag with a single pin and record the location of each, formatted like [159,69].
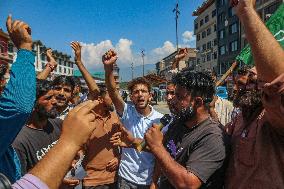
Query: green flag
[276,26]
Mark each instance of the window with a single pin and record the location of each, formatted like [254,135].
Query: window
[215,42]
[64,70]
[204,47]
[198,37]
[222,50]
[208,57]
[206,18]
[208,31]
[209,45]
[42,56]
[64,65]
[231,12]
[60,69]
[234,46]
[214,55]
[222,2]
[215,27]
[222,17]
[198,61]
[42,65]
[203,59]
[233,28]
[195,26]
[10,47]
[213,13]
[203,34]
[221,34]
[201,22]
[198,48]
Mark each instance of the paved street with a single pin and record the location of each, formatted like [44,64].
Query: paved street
[162,107]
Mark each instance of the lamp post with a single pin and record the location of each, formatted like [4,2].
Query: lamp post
[177,13]
[142,55]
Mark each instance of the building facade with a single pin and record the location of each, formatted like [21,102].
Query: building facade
[65,66]
[5,57]
[206,36]
[265,9]
[165,65]
[228,32]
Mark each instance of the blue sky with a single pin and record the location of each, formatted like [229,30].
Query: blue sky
[126,25]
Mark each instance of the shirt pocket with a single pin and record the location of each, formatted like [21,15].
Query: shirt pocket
[246,151]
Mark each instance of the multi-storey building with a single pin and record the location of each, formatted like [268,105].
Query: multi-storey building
[265,9]
[206,37]
[165,65]
[5,58]
[65,65]
[228,27]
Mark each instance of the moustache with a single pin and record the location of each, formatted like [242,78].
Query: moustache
[59,97]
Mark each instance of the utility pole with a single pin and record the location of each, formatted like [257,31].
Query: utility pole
[142,55]
[132,70]
[177,13]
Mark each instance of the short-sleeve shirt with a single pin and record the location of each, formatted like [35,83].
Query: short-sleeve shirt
[32,144]
[202,150]
[137,167]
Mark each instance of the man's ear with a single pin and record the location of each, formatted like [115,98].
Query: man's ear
[198,101]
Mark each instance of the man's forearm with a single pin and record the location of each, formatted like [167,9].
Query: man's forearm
[93,87]
[267,53]
[110,82]
[44,74]
[176,174]
[57,161]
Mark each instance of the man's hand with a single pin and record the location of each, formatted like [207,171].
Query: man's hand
[112,165]
[69,183]
[123,138]
[242,5]
[109,58]
[50,58]
[79,124]
[77,49]
[20,33]
[154,137]
[181,54]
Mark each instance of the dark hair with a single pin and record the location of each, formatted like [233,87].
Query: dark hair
[42,87]
[243,70]
[77,81]
[102,88]
[3,70]
[137,81]
[64,80]
[197,84]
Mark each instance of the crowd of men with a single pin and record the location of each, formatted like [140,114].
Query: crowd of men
[48,129]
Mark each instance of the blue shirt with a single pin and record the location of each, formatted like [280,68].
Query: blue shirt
[16,104]
[137,167]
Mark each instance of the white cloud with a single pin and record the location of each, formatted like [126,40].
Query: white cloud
[188,36]
[165,50]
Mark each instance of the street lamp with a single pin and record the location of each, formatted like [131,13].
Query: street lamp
[142,55]
[177,13]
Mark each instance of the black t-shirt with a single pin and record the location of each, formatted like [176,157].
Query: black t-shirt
[202,150]
[32,144]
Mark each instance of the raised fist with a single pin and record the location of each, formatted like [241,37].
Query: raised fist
[77,50]
[241,5]
[109,58]
[50,58]
[20,33]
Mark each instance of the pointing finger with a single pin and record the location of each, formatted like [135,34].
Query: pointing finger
[9,23]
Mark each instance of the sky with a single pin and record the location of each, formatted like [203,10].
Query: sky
[128,26]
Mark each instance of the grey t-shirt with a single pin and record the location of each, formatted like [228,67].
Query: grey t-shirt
[202,150]
[32,144]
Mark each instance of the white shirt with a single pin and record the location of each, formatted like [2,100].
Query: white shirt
[137,167]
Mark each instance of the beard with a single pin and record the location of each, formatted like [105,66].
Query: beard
[43,113]
[186,114]
[250,103]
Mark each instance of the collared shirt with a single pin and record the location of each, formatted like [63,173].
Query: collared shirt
[257,158]
[16,104]
[99,151]
[137,167]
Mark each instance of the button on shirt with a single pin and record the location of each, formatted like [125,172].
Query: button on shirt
[137,167]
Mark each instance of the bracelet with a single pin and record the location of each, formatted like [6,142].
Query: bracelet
[52,67]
